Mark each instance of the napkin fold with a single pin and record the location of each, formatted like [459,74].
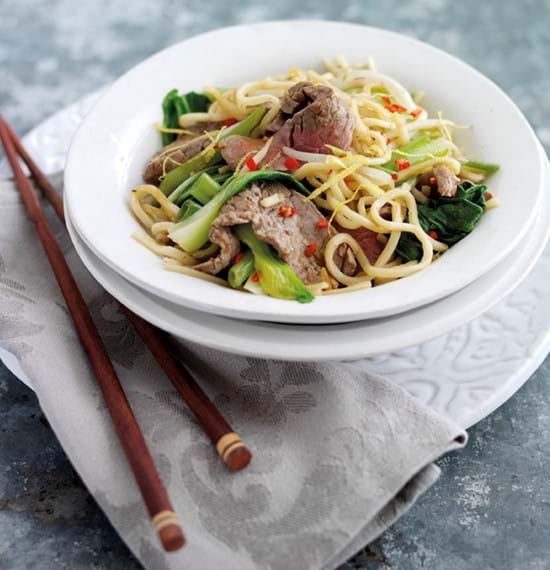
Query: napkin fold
[339,453]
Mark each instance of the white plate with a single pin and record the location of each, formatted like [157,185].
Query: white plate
[112,145]
[326,342]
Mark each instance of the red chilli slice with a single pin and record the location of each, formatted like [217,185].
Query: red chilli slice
[433,234]
[287,211]
[251,163]
[238,257]
[322,224]
[393,107]
[402,163]
[229,122]
[291,163]
[255,277]
[311,249]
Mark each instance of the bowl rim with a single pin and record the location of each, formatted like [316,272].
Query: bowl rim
[231,303]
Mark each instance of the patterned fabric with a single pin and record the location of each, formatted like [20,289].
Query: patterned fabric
[339,453]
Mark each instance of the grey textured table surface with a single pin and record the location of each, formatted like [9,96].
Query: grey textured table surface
[491,508]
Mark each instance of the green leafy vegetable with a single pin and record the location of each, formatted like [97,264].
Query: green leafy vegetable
[409,248]
[210,156]
[205,158]
[486,168]
[241,270]
[205,188]
[452,219]
[276,277]
[175,105]
[188,208]
[420,149]
[186,188]
[196,102]
[171,105]
[183,191]
[192,233]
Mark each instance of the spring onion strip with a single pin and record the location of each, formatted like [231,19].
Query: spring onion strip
[304,156]
[170,265]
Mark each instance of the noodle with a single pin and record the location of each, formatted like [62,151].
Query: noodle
[170,265]
[164,250]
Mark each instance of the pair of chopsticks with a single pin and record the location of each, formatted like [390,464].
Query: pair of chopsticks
[228,444]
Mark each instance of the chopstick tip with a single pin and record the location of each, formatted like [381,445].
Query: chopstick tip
[233,451]
[238,459]
[169,530]
[171,538]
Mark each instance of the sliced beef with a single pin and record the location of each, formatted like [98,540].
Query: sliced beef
[310,118]
[314,117]
[172,155]
[345,260]
[235,147]
[321,119]
[200,128]
[447,182]
[368,241]
[441,181]
[290,236]
[177,152]
[229,248]
[385,212]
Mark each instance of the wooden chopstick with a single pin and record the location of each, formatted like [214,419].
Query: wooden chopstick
[228,444]
[152,489]
[53,197]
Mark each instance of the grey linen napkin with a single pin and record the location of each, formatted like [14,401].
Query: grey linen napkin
[339,454]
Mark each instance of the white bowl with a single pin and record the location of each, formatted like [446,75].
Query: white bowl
[116,138]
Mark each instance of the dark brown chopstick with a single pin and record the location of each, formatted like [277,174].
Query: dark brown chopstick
[152,489]
[40,178]
[228,444]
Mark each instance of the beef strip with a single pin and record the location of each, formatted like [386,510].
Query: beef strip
[199,129]
[367,240]
[229,248]
[315,117]
[345,260]
[310,118]
[447,182]
[441,180]
[177,152]
[235,147]
[290,236]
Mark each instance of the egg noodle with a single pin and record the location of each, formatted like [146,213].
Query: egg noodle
[351,187]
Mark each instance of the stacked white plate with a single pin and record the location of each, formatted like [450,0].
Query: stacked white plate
[116,138]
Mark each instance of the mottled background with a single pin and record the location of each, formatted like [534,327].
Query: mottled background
[491,509]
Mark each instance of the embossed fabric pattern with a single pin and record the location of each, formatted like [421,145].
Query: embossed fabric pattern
[339,452]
